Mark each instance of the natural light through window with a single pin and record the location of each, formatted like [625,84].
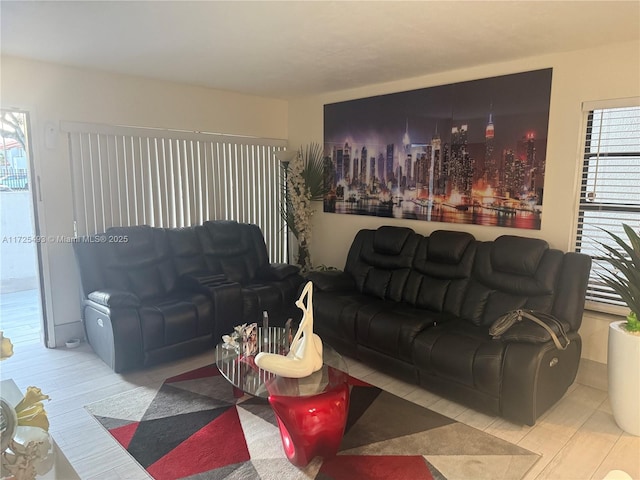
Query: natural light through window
[610,189]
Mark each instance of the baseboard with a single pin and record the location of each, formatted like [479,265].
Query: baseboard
[67,331]
[592,374]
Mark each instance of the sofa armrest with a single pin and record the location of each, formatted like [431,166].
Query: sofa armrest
[526,331]
[535,376]
[277,271]
[114,298]
[225,294]
[114,334]
[332,281]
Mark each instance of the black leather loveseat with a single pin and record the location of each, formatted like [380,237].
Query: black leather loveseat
[155,294]
[420,308]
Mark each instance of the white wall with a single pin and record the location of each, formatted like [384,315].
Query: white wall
[52,93]
[602,73]
[18,266]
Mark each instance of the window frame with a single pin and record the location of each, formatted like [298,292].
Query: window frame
[587,111]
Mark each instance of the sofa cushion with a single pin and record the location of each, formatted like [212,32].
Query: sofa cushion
[227,238]
[439,279]
[391,329]
[494,289]
[258,298]
[175,319]
[462,353]
[390,240]
[445,247]
[331,281]
[379,261]
[234,249]
[142,264]
[186,250]
[334,314]
[377,282]
[517,255]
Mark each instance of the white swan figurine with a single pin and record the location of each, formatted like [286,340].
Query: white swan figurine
[305,352]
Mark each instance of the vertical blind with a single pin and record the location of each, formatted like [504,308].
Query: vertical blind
[125,176]
[610,190]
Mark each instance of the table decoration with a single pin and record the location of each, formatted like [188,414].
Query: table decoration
[231,342]
[305,353]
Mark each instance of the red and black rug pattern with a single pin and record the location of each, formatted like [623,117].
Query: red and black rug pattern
[192,426]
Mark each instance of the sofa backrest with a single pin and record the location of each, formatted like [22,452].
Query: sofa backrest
[139,261]
[451,272]
[380,260]
[510,273]
[440,271]
[237,250]
[149,261]
[186,250]
[571,288]
[91,251]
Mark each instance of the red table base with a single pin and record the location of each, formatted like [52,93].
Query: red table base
[313,425]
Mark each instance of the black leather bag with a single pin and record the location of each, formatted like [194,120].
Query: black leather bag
[546,321]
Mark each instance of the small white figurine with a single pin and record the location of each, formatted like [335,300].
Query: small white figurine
[305,353]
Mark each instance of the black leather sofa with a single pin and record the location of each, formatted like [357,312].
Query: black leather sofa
[153,294]
[420,307]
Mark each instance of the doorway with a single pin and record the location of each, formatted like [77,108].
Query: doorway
[21,305]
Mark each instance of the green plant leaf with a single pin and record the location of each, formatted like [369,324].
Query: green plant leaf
[634,238]
[634,254]
[313,172]
[623,277]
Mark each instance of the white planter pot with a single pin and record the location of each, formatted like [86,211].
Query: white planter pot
[623,361]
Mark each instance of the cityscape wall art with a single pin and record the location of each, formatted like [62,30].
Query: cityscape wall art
[471,152]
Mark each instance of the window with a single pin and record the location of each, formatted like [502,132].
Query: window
[126,176]
[610,189]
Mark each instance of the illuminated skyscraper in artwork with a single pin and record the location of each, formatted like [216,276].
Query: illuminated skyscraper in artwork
[461,167]
[514,172]
[534,171]
[491,172]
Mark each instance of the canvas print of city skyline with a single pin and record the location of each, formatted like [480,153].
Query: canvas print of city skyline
[470,152]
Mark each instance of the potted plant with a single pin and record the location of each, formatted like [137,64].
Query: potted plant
[304,184]
[623,359]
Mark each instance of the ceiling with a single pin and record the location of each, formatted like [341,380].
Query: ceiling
[293,49]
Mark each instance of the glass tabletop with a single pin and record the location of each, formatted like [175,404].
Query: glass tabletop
[243,373]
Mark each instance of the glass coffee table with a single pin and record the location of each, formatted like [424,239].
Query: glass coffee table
[311,411]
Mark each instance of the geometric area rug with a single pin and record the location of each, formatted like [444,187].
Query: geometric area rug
[191,426]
